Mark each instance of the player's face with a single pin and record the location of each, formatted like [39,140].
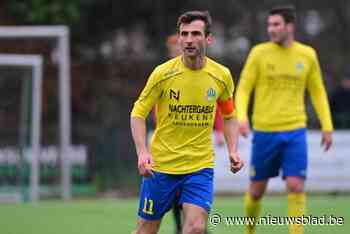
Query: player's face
[192,39]
[277,29]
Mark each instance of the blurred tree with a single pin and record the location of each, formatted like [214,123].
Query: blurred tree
[49,12]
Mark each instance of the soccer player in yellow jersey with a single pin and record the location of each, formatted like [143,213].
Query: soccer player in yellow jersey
[280,71]
[185,91]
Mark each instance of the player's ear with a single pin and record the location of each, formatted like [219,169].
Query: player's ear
[210,39]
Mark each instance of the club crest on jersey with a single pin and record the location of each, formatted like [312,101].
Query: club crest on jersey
[211,95]
[299,66]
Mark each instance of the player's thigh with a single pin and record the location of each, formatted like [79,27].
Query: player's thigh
[147,226]
[295,155]
[265,157]
[197,189]
[157,195]
[195,218]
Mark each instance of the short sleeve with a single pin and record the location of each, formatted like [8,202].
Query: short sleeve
[148,96]
[228,87]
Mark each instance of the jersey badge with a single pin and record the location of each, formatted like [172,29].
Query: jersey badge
[299,66]
[211,95]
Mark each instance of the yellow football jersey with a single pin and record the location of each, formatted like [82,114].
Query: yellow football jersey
[280,77]
[185,103]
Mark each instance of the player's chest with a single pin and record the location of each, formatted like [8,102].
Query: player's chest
[284,67]
[191,90]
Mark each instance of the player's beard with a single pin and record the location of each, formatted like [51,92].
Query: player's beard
[279,39]
[199,52]
[191,53]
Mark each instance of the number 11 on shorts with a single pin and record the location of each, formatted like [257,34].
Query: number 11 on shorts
[148,206]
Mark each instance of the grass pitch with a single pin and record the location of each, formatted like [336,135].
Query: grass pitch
[118,216]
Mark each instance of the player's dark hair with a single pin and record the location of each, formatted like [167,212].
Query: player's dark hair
[190,16]
[287,12]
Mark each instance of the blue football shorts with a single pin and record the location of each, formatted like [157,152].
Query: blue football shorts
[275,151]
[159,192]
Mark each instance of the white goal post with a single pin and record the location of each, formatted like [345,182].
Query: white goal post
[35,63]
[61,35]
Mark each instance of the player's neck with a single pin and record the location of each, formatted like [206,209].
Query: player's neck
[288,42]
[196,63]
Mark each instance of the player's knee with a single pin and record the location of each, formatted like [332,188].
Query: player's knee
[295,188]
[295,185]
[256,196]
[144,230]
[147,227]
[195,227]
[257,189]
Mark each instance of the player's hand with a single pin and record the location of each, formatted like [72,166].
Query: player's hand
[326,140]
[236,162]
[244,129]
[145,164]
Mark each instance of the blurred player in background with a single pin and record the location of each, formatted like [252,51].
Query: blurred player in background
[185,90]
[280,71]
[173,46]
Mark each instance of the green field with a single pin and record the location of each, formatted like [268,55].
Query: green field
[118,216]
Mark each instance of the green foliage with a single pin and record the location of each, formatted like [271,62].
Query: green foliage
[47,12]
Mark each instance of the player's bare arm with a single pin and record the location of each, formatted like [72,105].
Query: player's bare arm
[231,137]
[138,130]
